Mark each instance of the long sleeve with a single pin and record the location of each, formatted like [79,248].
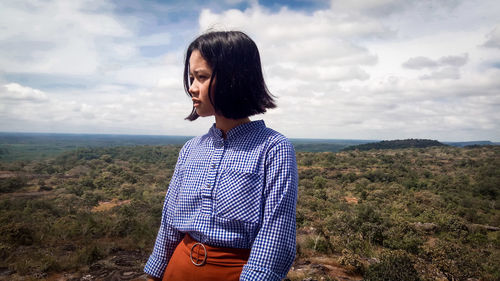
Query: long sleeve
[273,250]
[168,237]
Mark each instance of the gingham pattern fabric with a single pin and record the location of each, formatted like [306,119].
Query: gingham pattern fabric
[238,192]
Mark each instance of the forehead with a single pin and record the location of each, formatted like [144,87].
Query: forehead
[198,63]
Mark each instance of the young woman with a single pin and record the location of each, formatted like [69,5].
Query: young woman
[229,213]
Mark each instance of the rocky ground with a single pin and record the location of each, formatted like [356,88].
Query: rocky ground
[122,265]
[128,265]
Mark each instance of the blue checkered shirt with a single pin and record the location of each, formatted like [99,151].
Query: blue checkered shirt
[238,192]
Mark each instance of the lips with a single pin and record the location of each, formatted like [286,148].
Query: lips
[196,102]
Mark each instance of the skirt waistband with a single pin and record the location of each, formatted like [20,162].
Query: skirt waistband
[192,260]
[200,253]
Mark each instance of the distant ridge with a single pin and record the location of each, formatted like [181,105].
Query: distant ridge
[471,143]
[325,145]
[396,144]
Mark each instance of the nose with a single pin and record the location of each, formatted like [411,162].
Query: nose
[193,89]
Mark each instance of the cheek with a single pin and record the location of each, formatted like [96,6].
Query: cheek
[212,90]
[205,90]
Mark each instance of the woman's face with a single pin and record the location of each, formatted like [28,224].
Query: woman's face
[200,74]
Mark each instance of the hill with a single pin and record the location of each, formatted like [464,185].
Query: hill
[396,144]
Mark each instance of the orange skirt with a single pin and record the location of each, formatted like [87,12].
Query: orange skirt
[195,261]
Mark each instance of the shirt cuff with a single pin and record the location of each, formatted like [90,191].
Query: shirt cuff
[155,266]
[253,273]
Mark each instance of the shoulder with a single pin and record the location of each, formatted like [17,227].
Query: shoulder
[196,141]
[193,144]
[275,138]
[276,141]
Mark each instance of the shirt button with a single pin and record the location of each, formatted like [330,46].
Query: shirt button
[213,165]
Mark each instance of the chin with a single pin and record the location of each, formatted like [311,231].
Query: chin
[203,114]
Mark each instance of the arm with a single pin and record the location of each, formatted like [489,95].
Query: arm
[168,237]
[273,250]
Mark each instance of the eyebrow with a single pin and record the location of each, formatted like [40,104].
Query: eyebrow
[196,71]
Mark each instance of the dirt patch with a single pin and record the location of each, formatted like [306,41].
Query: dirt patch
[7,174]
[108,205]
[351,200]
[431,242]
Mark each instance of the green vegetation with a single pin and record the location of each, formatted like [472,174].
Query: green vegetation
[319,147]
[71,211]
[406,214]
[395,144]
[40,146]
[324,145]
[427,210]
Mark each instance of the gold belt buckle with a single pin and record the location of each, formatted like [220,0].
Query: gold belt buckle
[197,261]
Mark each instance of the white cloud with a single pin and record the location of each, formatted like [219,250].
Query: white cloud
[313,50]
[16,92]
[420,62]
[358,69]
[376,7]
[454,60]
[63,37]
[107,109]
[446,67]
[493,38]
[333,79]
[424,62]
[444,73]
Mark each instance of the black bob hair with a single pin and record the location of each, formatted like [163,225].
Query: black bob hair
[240,90]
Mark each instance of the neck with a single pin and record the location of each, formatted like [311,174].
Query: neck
[226,124]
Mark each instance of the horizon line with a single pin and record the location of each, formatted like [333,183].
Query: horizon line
[290,138]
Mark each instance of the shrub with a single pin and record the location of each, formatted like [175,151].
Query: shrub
[352,261]
[90,255]
[5,251]
[12,184]
[318,244]
[393,266]
[456,262]
[402,237]
[17,234]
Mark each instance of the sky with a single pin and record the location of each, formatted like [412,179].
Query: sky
[357,69]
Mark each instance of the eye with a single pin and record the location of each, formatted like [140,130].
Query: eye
[191,79]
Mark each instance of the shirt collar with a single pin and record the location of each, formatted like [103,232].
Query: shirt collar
[237,131]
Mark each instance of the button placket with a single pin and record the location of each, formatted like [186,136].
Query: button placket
[208,188]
